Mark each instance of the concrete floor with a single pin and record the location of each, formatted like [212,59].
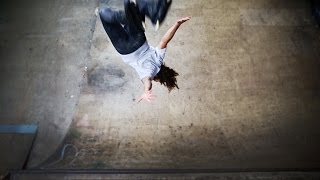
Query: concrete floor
[44,45]
[249,93]
[249,88]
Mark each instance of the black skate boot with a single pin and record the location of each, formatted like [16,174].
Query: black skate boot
[156,10]
[134,16]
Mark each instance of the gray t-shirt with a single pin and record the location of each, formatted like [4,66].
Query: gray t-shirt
[146,60]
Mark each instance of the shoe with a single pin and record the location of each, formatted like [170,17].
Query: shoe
[156,26]
[163,9]
[144,25]
[96,12]
[135,16]
[133,1]
[157,10]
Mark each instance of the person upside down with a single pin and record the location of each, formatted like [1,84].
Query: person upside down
[125,29]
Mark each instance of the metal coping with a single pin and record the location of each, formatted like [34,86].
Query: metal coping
[18,129]
[167,171]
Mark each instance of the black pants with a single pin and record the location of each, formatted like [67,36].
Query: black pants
[123,28]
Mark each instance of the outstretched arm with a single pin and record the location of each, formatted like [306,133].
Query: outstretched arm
[170,33]
[147,81]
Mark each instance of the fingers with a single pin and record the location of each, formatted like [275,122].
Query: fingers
[140,99]
[183,20]
[187,18]
[151,98]
[148,96]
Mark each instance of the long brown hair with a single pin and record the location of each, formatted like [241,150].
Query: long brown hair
[167,77]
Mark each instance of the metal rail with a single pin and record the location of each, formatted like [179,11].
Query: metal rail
[168,171]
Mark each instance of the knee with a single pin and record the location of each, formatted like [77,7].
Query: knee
[105,11]
[106,14]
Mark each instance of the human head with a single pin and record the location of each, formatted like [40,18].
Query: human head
[167,77]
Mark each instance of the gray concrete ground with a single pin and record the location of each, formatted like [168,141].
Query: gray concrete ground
[44,45]
[249,86]
[249,93]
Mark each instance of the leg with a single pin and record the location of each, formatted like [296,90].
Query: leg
[156,10]
[123,35]
[111,21]
[133,16]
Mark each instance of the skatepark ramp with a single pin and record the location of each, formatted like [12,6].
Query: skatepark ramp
[218,174]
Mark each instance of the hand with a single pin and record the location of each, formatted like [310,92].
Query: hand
[148,96]
[182,20]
